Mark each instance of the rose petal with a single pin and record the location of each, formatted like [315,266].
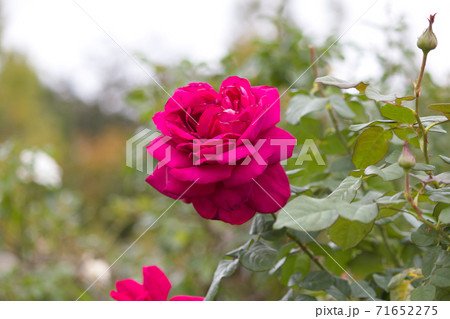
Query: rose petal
[236,88]
[161,149]
[158,179]
[279,144]
[205,207]
[244,174]
[207,120]
[274,182]
[186,298]
[188,189]
[237,216]
[269,99]
[156,283]
[192,95]
[203,174]
[128,290]
[231,198]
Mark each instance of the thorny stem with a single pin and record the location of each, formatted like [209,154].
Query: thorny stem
[418,213]
[303,247]
[417,95]
[429,224]
[307,251]
[408,195]
[312,53]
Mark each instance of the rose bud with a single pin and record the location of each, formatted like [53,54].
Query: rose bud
[428,41]
[406,159]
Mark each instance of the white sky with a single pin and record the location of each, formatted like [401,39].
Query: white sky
[66,46]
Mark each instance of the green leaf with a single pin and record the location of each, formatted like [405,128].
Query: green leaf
[317,280]
[362,289]
[262,225]
[294,171]
[382,281]
[340,290]
[438,209]
[429,260]
[260,257]
[359,127]
[257,224]
[237,252]
[423,167]
[442,198]
[347,189]
[288,268]
[373,94]
[305,213]
[356,212]
[407,134]
[398,113]
[400,287]
[444,158]
[271,234]
[399,100]
[443,259]
[442,178]
[389,173]
[441,107]
[444,216]
[441,278]
[347,234]
[432,119]
[341,107]
[225,269]
[342,84]
[370,148]
[423,293]
[304,298]
[298,189]
[295,279]
[301,105]
[424,236]
[304,237]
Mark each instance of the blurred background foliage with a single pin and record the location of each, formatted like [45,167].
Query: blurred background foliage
[58,236]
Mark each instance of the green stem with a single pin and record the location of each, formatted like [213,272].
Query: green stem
[312,53]
[306,250]
[303,247]
[338,131]
[417,94]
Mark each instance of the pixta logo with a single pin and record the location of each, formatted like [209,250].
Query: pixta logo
[136,153]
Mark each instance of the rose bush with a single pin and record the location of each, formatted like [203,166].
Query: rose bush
[223,148]
[156,287]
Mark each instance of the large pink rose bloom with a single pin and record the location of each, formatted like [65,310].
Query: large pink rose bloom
[156,287]
[227,143]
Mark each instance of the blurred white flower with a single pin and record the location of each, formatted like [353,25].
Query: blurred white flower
[8,262]
[93,268]
[39,167]
[5,150]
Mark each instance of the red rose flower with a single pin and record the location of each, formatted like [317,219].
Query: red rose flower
[156,287]
[227,143]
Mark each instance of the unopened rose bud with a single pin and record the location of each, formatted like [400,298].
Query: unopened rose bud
[428,41]
[406,159]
